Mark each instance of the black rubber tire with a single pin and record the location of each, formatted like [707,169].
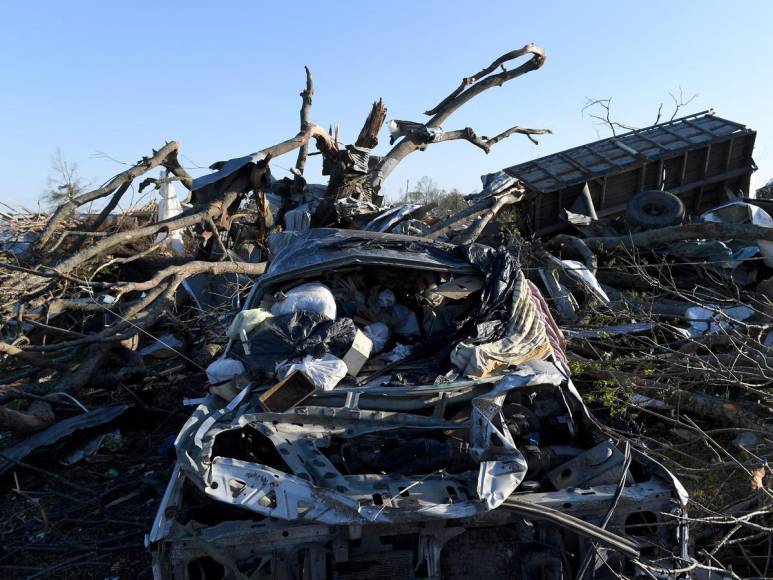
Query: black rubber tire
[654,209]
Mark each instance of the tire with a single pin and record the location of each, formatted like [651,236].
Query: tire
[654,209]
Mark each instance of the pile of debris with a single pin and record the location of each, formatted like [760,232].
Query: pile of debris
[392,391]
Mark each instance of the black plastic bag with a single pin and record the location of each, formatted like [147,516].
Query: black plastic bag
[295,335]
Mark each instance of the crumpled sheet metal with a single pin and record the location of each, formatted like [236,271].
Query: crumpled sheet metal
[348,208]
[740,212]
[337,499]
[714,319]
[496,183]
[584,276]
[385,221]
[225,178]
[298,255]
[526,340]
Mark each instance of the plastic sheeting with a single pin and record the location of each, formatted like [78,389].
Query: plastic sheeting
[325,373]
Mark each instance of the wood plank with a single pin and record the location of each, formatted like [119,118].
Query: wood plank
[603,192]
[576,164]
[628,149]
[601,154]
[729,155]
[702,129]
[677,135]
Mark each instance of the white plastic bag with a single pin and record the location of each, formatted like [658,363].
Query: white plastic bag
[224,369]
[312,296]
[325,372]
[378,333]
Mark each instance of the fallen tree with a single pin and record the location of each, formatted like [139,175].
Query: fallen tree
[74,271]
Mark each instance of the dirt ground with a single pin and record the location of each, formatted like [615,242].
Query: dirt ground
[89,520]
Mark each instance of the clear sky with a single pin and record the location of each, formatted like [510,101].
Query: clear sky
[223,78]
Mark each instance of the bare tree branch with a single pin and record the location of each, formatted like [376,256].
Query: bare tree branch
[606,106]
[166,156]
[680,102]
[469,88]
[536,62]
[306,97]
[698,231]
[520,131]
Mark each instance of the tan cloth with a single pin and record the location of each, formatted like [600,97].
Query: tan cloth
[528,340]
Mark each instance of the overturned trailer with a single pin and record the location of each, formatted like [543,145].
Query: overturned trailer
[701,158]
[474,455]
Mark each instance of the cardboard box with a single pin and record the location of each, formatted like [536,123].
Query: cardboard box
[358,355]
[287,393]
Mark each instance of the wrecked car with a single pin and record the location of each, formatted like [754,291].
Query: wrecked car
[459,447]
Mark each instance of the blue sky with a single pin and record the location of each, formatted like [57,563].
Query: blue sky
[223,78]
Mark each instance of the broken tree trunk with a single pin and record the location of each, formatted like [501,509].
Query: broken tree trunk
[702,231]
